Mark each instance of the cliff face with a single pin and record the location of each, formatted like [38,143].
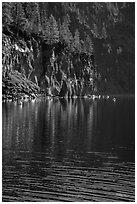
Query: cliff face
[52,45]
[41,67]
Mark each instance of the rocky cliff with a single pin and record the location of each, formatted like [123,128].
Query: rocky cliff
[31,66]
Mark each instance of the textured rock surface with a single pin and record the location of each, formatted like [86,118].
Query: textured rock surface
[52,68]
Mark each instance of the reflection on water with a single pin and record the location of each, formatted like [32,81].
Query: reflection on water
[60,125]
[41,135]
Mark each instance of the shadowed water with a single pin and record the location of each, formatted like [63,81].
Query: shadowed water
[69,150]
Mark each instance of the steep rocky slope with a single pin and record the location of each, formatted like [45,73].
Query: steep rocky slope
[34,66]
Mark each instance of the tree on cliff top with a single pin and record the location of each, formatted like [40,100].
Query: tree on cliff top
[6,15]
[76,41]
[65,33]
[51,32]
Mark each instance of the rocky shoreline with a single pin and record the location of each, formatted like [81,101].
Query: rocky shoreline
[17,86]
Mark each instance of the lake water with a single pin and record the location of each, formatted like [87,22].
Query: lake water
[69,150]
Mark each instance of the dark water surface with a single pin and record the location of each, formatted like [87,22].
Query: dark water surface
[76,150]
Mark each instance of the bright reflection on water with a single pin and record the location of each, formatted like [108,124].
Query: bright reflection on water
[79,125]
[58,133]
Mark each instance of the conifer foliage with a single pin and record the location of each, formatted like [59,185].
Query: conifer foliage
[81,29]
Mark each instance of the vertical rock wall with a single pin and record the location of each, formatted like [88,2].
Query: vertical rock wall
[56,70]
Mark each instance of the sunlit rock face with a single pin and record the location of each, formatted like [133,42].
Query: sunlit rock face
[17,56]
[52,68]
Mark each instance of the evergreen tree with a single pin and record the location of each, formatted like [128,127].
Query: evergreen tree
[20,22]
[43,15]
[76,41]
[6,14]
[65,33]
[52,30]
[35,18]
[88,44]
